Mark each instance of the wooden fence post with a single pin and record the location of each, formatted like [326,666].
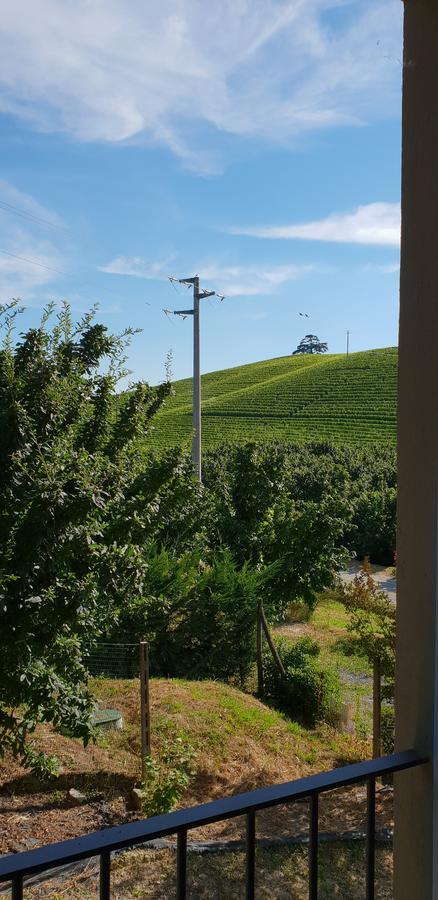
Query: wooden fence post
[377,708]
[260,682]
[144,706]
[272,647]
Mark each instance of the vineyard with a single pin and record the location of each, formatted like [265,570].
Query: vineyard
[303,398]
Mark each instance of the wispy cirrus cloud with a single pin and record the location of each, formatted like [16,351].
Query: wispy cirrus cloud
[373,224]
[266,69]
[238,280]
[28,260]
[390,268]
[137,267]
[251,280]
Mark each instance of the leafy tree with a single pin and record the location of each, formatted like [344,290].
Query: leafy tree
[372,622]
[291,532]
[374,522]
[247,480]
[373,628]
[72,494]
[310,344]
[198,611]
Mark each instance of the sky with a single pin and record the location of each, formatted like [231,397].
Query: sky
[253,142]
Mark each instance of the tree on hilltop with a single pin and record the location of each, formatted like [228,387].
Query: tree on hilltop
[310,344]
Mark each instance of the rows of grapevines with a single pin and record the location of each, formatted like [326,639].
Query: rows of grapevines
[295,399]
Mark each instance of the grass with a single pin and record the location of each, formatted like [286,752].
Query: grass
[238,744]
[328,626]
[297,398]
[280,873]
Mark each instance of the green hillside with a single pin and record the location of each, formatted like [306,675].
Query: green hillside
[293,398]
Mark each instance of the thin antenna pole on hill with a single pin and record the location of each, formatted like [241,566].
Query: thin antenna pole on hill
[348,342]
[198,295]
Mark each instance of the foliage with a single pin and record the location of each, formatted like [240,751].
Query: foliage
[102,537]
[257,485]
[308,692]
[310,344]
[372,623]
[198,612]
[168,777]
[302,398]
[70,490]
[375,522]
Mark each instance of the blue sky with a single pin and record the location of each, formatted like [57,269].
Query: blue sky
[256,142]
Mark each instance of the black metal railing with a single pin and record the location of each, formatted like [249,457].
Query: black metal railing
[17,867]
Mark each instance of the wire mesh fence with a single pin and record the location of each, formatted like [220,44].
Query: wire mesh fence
[112,660]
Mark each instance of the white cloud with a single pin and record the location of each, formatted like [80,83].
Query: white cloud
[374,223]
[253,317]
[272,69]
[250,281]
[28,260]
[24,207]
[389,268]
[231,280]
[20,276]
[137,267]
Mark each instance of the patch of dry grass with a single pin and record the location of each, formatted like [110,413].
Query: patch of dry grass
[239,744]
[282,874]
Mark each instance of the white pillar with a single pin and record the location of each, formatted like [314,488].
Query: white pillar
[416,833]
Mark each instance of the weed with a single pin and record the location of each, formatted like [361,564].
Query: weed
[167,778]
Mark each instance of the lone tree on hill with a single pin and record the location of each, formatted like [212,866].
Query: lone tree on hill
[310,344]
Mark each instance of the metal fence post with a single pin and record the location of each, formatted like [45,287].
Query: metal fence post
[377,708]
[144,706]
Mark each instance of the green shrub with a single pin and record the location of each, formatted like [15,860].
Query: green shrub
[167,778]
[198,613]
[308,693]
[375,524]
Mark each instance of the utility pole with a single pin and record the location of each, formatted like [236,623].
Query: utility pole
[198,295]
[197,422]
[348,342]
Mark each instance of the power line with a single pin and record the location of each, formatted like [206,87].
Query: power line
[10,207]
[16,211]
[35,262]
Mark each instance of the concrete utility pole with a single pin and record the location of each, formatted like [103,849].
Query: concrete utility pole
[198,295]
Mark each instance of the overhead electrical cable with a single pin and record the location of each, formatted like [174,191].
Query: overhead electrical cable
[35,262]
[24,214]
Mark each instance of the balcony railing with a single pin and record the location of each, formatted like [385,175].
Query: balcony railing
[17,867]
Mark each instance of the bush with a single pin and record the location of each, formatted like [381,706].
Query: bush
[198,612]
[167,778]
[375,523]
[308,693]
